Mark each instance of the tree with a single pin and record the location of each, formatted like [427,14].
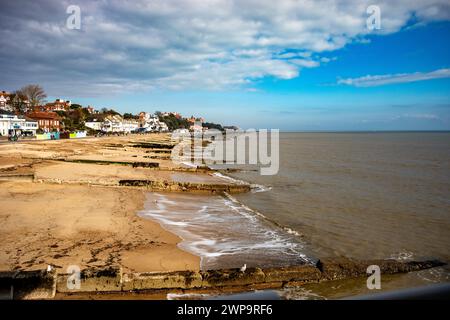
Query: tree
[107,111]
[211,125]
[76,106]
[128,116]
[18,102]
[34,93]
[174,123]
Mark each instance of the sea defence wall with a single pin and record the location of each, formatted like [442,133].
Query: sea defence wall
[44,285]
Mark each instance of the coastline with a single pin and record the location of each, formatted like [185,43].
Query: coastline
[77,220]
[81,202]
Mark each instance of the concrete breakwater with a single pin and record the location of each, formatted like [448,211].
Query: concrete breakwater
[155,185]
[44,285]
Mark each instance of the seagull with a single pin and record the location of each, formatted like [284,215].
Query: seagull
[49,268]
[243,268]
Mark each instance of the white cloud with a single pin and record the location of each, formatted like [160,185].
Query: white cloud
[379,80]
[305,63]
[207,44]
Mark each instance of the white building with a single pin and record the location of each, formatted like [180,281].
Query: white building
[163,127]
[151,123]
[130,126]
[113,124]
[5,103]
[94,125]
[16,125]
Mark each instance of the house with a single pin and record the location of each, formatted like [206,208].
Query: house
[163,127]
[90,109]
[11,124]
[195,123]
[151,123]
[94,125]
[112,124]
[5,101]
[130,125]
[171,113]
[48,121]
[58,105]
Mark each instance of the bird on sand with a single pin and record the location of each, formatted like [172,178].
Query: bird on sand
[244,267]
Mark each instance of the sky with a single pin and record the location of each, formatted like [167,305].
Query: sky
[290,65]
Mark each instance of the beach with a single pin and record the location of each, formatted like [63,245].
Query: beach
[86,226]
[119,203]
[66,213]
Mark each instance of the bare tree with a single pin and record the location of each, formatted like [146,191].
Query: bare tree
[18,102]
[34,93]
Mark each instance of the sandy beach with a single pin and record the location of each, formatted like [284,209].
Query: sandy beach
[135,222]
[61,213]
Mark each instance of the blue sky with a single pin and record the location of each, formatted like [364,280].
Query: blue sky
[236,63]
[314,100]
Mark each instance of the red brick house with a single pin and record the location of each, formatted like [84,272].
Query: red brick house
[58,105]
[47,121]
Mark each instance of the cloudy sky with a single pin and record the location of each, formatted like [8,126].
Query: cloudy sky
[293,65]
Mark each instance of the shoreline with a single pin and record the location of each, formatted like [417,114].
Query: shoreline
[76,202]
[79,218]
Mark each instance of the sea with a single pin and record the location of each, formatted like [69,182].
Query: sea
[362,195]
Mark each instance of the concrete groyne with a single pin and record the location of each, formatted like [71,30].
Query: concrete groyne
[44,285]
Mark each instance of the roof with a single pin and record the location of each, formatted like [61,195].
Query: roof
[9,113]
[28,119]
[115,117]
[37,115]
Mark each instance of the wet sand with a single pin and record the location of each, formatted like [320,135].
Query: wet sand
[63,213]
[87,226]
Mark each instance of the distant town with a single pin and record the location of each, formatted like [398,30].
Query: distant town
[25,113]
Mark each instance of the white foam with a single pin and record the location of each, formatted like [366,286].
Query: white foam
[256,188]
[220,175]
[402,255]
[222,231]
